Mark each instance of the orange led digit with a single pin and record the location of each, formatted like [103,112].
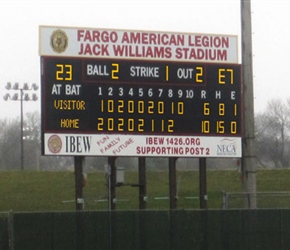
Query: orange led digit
[115,71]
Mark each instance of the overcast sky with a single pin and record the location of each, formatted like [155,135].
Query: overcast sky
[19,59]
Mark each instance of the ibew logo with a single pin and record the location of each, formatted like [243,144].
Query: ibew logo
[227,147]
[78,144]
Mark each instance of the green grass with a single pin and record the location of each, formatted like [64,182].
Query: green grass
[23,191]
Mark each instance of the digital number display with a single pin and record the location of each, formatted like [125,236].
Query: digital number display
[108,96]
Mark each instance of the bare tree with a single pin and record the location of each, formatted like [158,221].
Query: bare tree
[272,134]
[10,144]
[31,141]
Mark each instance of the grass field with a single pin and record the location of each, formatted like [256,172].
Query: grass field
[23,191]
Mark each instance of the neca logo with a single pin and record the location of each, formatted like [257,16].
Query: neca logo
[227,147]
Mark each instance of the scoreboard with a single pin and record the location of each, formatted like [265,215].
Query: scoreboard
[114,96]
[116,106]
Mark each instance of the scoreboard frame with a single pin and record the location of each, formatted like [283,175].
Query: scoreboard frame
[96,106]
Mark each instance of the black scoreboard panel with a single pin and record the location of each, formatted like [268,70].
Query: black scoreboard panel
[84,95]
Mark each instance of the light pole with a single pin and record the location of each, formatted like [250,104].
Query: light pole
[23,97]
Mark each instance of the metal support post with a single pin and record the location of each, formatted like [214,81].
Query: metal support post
[112,181]
[142,182]
[78,162]
[202,183]
[172,183]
